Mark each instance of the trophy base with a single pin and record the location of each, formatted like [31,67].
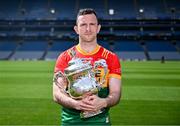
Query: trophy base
[87,114]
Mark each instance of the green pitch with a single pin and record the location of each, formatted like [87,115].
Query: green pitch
[151,94]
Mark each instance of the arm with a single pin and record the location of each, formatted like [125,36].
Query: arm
[115,92]
[114,83]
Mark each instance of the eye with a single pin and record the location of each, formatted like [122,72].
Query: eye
[83,24]
[92,24]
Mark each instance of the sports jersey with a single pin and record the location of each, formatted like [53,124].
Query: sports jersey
[72,116]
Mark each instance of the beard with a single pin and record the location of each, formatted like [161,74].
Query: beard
[88,38]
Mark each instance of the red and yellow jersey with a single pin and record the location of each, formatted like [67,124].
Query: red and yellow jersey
[99,53]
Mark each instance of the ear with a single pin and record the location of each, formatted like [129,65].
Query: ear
[99,28]
[76,29]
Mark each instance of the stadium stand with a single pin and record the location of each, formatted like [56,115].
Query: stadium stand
[158,49]
[30,50]
[129,50]
[134,29]
[6,47]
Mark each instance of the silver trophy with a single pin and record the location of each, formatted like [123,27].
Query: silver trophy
[81,80]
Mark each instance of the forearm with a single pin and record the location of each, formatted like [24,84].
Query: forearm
[64,100]
[100,103]
[112,99]
[114,93]
[61,97]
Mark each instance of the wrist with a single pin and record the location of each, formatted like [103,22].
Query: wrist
[105,102]
[74,104]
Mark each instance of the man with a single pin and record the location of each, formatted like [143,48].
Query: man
[87,27]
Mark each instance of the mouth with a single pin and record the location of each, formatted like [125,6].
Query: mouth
[88,34]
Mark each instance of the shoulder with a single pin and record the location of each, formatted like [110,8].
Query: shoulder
[111,58]
[113,63]
[62,60]
[107,54]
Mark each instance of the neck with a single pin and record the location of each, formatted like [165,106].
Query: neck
[88,46]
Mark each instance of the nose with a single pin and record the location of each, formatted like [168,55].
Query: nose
[88,28]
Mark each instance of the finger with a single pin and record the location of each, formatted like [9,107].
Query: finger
[92,98]
[87,100]
[86,95]
[87,107]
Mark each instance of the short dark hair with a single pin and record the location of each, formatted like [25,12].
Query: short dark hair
[86,11]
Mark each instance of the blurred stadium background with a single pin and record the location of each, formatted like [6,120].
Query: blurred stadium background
[141,32]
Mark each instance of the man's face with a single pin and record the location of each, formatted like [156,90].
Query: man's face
[87,27]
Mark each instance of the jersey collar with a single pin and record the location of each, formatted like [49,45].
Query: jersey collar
[85,53]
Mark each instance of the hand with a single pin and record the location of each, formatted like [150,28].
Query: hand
[83,104]
[94,103]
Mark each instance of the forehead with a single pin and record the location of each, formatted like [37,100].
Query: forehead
[88,18]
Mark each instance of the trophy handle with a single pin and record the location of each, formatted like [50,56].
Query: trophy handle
[102,63]
[58,75]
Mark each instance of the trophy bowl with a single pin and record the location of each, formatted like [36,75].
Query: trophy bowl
[81,79]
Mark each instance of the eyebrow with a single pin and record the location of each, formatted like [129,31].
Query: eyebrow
[89,23]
